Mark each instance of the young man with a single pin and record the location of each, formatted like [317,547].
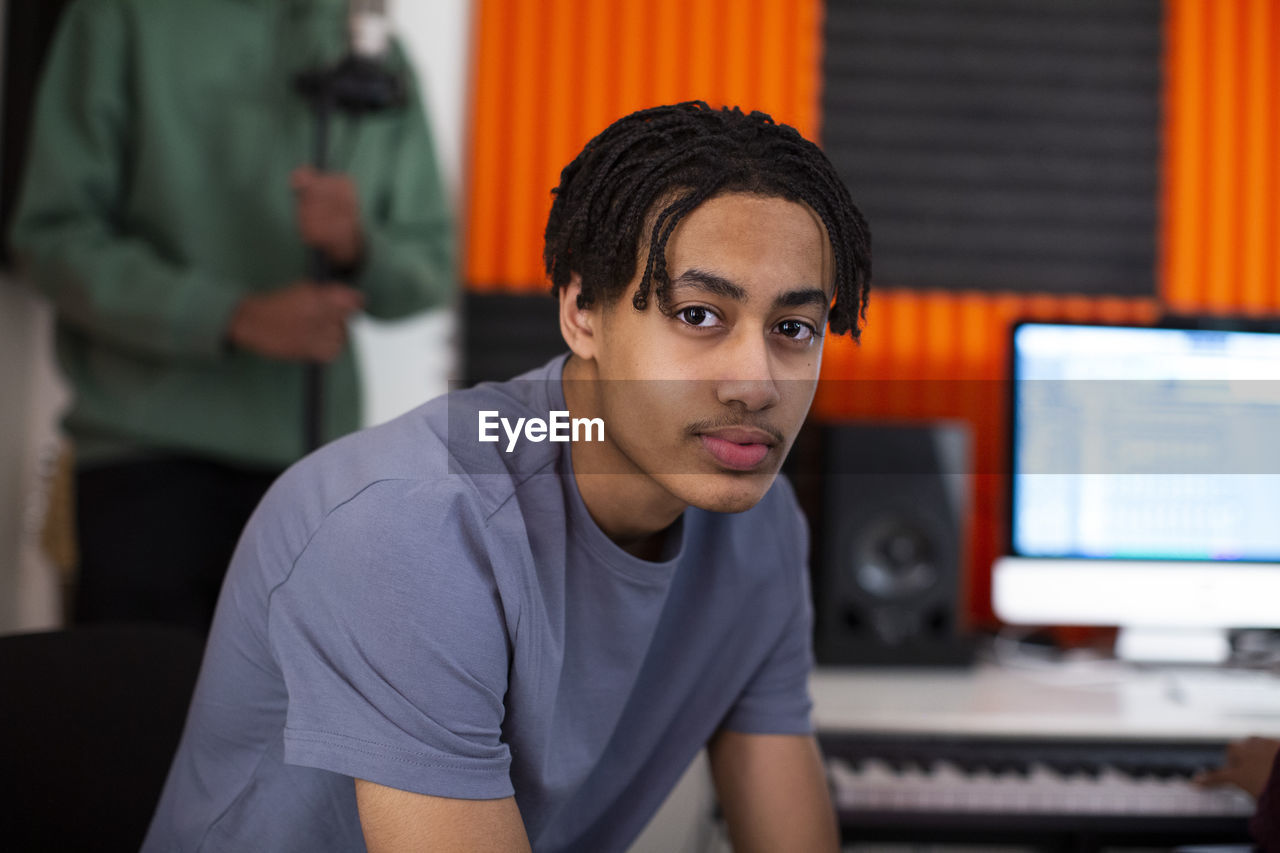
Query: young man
[455,633]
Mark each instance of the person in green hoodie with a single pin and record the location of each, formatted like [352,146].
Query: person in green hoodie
[168,213]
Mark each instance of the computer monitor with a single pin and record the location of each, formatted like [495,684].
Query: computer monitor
[1145,484]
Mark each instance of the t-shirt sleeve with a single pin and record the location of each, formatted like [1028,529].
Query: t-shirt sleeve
[776,699]
[392,641]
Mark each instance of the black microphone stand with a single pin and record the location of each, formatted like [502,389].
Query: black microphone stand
[357,85]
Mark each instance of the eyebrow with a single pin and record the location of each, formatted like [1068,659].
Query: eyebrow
[721,286]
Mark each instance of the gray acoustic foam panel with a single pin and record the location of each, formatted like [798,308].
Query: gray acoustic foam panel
[1000,144]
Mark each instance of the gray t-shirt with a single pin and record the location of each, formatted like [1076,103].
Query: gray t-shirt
[440,616]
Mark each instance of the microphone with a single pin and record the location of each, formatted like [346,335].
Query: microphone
[360,82]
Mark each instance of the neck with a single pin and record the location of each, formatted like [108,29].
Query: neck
[627,504]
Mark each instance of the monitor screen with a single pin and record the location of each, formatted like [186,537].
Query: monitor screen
[1145,443]
[1145,486]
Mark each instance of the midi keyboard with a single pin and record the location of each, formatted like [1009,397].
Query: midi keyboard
[992,785]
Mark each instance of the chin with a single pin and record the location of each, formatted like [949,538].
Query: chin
[723,492]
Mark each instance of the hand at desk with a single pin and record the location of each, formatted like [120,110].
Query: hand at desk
[1248,765]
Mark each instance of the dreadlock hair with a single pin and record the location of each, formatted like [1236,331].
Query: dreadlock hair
[675,158]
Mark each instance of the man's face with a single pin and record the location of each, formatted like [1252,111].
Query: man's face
[705,398]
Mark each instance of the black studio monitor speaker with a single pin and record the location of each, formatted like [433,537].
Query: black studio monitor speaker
[889,544]
[505,334]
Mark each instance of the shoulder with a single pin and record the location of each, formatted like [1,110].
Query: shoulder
[403,464]
[766,545]
[434,453]
[376,521]
[481,427]
[792,538]
[781,498]
[779,510]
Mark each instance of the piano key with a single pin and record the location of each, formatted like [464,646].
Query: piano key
[1035,788]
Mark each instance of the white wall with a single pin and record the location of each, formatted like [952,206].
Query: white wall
[437,36]
[31,397]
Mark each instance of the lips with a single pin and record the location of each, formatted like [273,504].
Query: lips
[738,448]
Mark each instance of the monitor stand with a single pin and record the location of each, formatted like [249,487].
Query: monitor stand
[1147,644]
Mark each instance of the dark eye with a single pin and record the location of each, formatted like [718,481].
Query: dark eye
[697,315]
[795,330]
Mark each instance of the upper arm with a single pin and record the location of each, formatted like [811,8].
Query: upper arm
[395,821]
[773,791]
[392,643]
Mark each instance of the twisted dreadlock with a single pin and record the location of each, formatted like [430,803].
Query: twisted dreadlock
[653,167]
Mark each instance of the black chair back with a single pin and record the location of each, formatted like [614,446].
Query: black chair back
[89,721]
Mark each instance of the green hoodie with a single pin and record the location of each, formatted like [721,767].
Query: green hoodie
[157,196]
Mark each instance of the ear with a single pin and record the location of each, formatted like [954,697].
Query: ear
[578,326]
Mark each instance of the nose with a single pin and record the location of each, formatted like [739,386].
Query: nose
[750,371]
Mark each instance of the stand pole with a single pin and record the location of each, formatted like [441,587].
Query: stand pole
[357,85]
[313,378]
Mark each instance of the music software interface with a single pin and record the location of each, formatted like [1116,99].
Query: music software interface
[1146,443]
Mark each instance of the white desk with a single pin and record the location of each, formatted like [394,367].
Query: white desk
[1094,699]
